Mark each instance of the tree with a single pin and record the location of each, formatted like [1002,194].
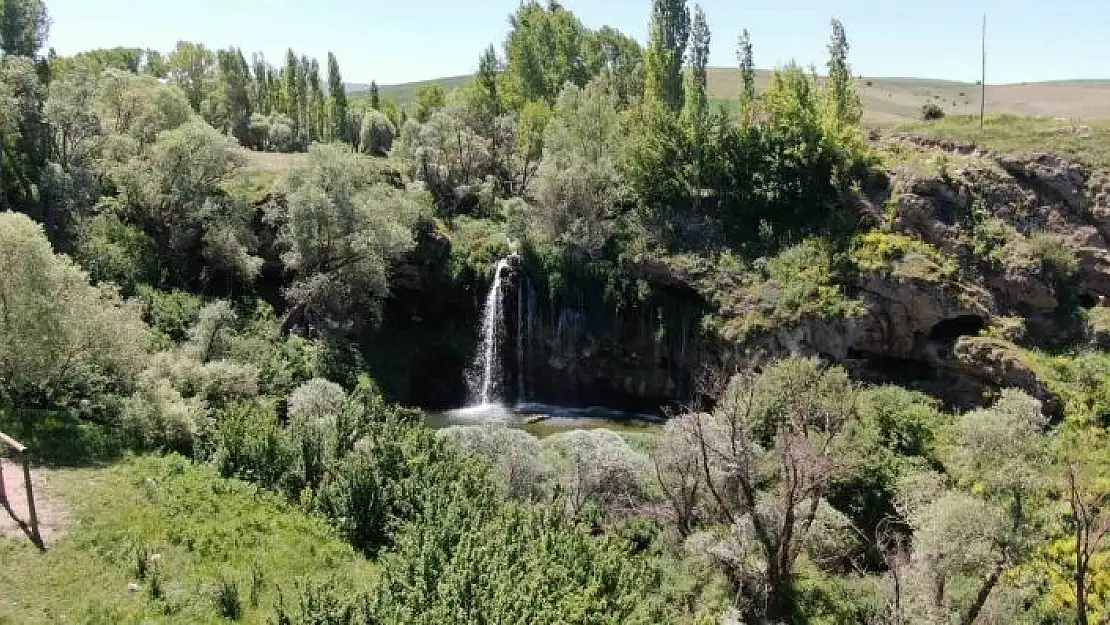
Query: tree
[23,137]
[697,98]
[546,48]
[375,96]
[768,456]
[747,76]
[577,180]
[1090,520]
[669,33]
[341,233]
[173,191]
[337,93]
[24,25]
[429,100]
[621,59]
[228,106]
[842,104]
[61,339]
[965,542]
[377,133]
[193,68]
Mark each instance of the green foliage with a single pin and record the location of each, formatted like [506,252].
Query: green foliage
[114,251]
[61,339]
[24,25]
[669,33]
[251,445]
[577,180]
[507,564]
[195,529]
[341,231]
[429,100]
[377,133]
[797,284]
[397,473]
[931,111]
[900,256]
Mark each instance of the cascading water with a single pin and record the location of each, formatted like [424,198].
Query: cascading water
[485,375]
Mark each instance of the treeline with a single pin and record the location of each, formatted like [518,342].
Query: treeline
[596,140]
[281,109]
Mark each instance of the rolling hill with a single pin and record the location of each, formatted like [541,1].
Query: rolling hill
[894,100]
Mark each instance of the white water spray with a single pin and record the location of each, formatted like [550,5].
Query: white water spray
[487,362]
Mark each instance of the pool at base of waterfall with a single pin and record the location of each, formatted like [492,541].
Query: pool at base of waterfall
[541,418]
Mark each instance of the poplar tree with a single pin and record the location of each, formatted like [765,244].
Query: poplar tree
[338,96]
[375,96]
[670,31]
[697,99]
[747,76]
[842,103]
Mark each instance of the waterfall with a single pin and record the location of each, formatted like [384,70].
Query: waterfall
[487,362]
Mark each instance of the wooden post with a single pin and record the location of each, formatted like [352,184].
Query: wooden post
[983,82]
[36,535]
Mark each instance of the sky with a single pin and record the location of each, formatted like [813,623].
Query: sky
[396,41]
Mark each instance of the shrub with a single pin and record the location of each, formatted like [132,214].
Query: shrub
[394,474]
[251,444]
[898,255]
[157,417]
[522,564]
[513,454]
[377,134]
[932,111]
[596,467]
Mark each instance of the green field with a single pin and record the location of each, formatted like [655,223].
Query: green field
[895,100]
[160,540]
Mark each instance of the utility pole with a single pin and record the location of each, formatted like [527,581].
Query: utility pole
[983,82]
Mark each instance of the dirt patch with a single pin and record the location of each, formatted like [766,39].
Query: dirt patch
[15,517]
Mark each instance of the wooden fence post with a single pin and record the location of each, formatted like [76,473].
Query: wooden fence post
[25,457]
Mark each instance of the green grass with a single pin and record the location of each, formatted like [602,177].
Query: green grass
[1088,142]
[209,532]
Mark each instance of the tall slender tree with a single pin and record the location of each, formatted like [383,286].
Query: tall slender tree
[23,27]
[337,94]
[375,96]
[697,98]
[747,76]
[670,31]
[842,104]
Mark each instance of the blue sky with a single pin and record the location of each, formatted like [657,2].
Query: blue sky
[405,40]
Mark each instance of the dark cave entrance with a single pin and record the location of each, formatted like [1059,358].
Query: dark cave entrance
[948,330]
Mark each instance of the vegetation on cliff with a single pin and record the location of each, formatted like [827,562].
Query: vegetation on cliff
[882,359]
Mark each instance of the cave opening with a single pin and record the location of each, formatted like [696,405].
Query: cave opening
[1088,300]
[948,330]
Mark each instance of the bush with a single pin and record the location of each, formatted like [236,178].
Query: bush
[596,468]
[513,454]
[522,564]
[251,444]
[932,111]
[157,417]
[377,134]
[228,602]
[394,474]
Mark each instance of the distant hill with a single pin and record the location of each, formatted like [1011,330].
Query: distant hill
[889,100]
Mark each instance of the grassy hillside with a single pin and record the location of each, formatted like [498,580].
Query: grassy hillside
[896,100]
[161,540]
